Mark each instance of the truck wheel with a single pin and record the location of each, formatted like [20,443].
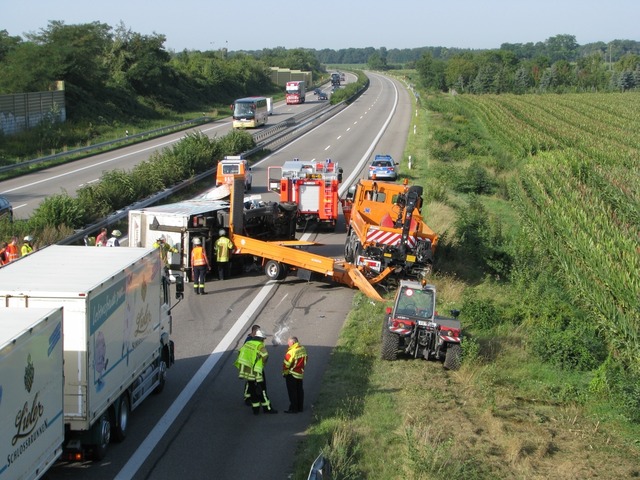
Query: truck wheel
[275,270]
[104,432]
[121,418]
[453,357]
[390,344]
[348,249]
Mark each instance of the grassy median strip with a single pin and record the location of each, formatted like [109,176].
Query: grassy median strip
[545,389]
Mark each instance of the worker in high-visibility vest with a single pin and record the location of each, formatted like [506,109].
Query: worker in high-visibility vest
[224,247]
[164,248]
[199,266]
[12,253]
[27,246]
[295,361]
[250,363]
[114,238]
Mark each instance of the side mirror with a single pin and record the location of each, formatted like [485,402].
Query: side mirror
[388,310]
[455,313]
[351,192]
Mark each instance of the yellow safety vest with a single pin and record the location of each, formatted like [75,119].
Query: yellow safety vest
[251,360]
[223,249]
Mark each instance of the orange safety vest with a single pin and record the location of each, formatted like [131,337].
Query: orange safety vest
[198,257]
[12,253]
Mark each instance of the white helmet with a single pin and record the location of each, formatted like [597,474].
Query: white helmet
[116,233]
[259,334]
[196,241]
[28,238]
[221,232]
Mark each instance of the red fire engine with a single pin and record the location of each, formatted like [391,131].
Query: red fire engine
[313,186]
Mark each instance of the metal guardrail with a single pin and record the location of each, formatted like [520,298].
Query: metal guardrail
[124,140]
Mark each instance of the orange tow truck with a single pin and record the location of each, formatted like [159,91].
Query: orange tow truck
[386,229]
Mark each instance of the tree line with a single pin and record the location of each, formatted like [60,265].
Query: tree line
[557,65]
[115,73]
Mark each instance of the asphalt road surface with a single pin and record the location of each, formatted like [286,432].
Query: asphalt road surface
[199,427]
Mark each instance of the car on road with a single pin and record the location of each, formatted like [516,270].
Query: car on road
[323,96]
[383,167]
[317,91]
[6,210]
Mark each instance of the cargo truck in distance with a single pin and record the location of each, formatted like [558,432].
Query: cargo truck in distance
[31,391]
[117,332]
[295,92]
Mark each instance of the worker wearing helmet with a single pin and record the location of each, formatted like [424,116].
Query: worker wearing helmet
[250,363]
[223,247]
[164,249]
[27,246]
[114,239]
[199,266]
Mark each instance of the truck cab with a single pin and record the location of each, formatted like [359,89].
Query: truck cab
[231,166]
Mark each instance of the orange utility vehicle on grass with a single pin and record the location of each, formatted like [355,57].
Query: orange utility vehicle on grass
[313,186]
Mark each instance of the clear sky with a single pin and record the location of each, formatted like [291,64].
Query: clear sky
[333,24]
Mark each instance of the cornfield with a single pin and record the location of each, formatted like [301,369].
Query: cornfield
[579,196]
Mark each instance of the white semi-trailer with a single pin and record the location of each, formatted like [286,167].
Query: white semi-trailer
[117,332]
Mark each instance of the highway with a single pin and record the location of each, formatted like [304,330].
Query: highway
[199,426]
[26,192]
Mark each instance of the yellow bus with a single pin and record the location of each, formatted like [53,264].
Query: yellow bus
[250,112]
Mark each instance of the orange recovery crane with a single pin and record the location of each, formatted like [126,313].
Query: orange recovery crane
[281,256]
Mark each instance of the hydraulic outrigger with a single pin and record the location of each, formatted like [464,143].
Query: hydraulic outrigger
[281,256]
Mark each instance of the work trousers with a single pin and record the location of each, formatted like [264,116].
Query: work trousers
[295,391]
[199,273]
[224,270]
[258,395]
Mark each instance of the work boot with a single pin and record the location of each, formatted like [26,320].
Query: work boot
[202,291]
[256,410]
[269,410]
